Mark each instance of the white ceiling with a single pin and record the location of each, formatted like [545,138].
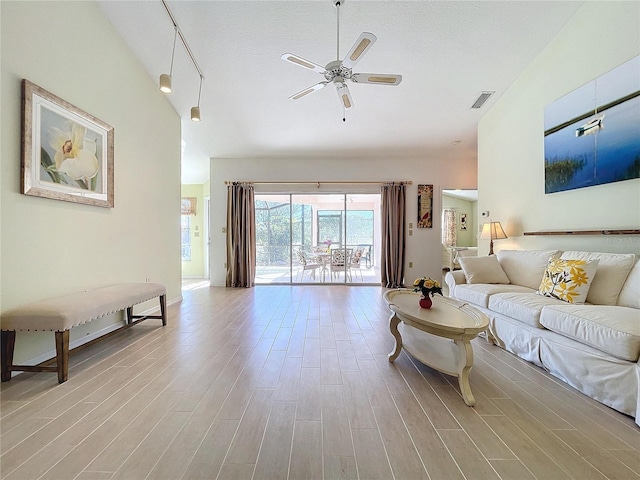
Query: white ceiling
[448,52]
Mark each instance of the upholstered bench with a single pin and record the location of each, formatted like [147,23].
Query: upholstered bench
[61,314]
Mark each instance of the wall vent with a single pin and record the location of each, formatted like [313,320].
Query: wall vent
[484,96]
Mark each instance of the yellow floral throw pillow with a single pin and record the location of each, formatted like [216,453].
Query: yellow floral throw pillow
[568,280]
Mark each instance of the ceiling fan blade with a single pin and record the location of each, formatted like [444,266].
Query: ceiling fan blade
[309,90]
[377,78]
[301,62]
[344,95]
[363,44]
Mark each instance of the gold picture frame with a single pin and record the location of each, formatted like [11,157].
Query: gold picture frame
[67,154]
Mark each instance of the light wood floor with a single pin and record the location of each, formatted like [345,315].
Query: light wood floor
[294,383]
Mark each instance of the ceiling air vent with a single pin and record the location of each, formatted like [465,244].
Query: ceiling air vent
[484,96]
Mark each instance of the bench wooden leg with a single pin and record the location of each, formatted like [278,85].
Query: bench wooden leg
[62,355]
[8,344]
[163,309]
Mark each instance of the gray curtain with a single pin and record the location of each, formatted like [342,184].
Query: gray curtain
[393,241]
[241,236]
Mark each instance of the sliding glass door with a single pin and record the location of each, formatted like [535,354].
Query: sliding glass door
[317,238]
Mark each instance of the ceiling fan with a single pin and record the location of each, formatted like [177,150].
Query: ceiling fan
[340,71]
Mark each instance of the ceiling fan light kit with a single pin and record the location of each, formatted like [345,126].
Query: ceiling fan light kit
[340,71]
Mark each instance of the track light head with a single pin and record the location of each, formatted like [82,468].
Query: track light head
[195,114]
[165,83]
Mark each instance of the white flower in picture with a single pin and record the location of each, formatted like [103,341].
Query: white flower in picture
[75,155]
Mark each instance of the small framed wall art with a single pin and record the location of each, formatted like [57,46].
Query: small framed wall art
[67,154]
[425,206]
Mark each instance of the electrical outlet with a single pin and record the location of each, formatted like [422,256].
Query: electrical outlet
[147,280]
[410,232]
[410,264]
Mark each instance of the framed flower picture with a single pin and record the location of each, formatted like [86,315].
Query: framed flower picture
[67,154]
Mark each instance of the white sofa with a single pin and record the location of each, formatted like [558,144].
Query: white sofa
[594,346]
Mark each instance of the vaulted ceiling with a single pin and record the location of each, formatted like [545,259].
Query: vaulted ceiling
[448,53]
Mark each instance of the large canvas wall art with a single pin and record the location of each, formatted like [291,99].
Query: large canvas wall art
[592,135]
[67,154]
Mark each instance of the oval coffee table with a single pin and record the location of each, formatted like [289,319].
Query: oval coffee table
[439,337]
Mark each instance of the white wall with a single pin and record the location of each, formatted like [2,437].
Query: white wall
[601,36]
[423,248]
[51,247]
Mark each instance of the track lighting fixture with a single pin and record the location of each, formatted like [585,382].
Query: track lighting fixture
[195,111]
[165,80]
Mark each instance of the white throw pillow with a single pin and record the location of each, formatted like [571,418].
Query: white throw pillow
[483,270]
[630,293]
[525,267]
[613,269]
[568,279]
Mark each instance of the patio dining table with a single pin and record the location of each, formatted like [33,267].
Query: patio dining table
[325,260]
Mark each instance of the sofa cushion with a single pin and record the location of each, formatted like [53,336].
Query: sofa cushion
[610,329]
[524,307]
[613,269]
[525,267]
[568,280]
[479,294]
[483,270]
[630,293]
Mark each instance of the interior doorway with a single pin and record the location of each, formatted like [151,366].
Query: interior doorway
[207,237]
[460,226]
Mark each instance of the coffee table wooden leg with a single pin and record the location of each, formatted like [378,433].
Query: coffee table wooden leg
[465,362]
[393,326]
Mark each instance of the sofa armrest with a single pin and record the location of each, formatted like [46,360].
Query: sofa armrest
[454,278]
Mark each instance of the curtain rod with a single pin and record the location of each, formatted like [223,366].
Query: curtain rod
[229,182]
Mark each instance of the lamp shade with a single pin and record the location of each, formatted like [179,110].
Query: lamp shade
[492,231]
[165,83]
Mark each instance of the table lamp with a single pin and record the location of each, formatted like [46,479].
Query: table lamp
[492,231]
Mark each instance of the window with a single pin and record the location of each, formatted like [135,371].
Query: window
[330,227]
[359,226]
[449,227]
[185,225]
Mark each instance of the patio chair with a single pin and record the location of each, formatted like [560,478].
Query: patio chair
[306,265]
[339,262]
[354,264]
